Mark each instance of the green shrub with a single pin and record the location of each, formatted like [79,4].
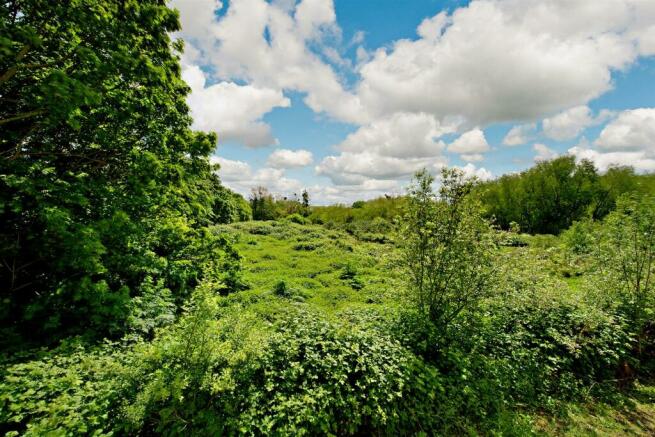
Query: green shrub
[219,371]
[296,218]
[547,349]
[71,390]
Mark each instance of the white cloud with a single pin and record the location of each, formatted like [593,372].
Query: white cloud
[240,177]
[312,16]
[519,134]
[231,110]
[507,60]
[568,124]
[401,135]
[432,28]
[631,130]
[368,189]
[492,61]
[629,139]
[475,157]
[354,168]
[232,170]
[471,142]
[197,19]
[544,153]
[268,45]
[640,161]
[471,170]
[284,158]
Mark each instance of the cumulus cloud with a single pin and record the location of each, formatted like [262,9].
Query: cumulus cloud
[401,135]
[544,153]
[285,158]
[519,134]
[355,168]
[507,60]
[516,61]
[233,111]
[629,139]
[268,45]
[197,20]
[472,157]
[640,161]
[471,170]
[368,189]
[631,130]
[240,177]
[470,143]
[569,124]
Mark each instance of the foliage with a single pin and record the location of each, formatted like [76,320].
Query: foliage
[296,218]
[104,188]
[262,204]
[337,216]
[628,253]
[219,372]
[106,198]
[71,390]
[265,360]
[446,248]
[546,198]
[228,206]
[580,238]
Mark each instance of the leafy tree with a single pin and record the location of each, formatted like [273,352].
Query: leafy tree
[102,183]
[305,201]
[546,198]
[228,206]
[262,204]
[446,247]
[629,249]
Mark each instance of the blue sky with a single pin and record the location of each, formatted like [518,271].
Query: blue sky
[348,98]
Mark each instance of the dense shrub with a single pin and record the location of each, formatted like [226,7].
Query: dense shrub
[104,187]
[68,391]
[546,198]
[446,248]
[305,377]
[546,349]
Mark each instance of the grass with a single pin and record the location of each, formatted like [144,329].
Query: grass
[289,265]
[325,270]
[632,414]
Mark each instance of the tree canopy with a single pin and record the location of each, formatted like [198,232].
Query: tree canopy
[101,177]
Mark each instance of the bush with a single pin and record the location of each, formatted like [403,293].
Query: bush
[68,391]
[446,248]
[297,218]
[219,372]
[543,349]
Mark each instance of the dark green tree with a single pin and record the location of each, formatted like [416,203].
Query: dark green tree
[262,204]
[446,248]
[546,198]
[102,182]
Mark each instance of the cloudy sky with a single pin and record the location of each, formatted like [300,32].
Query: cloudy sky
[348,98]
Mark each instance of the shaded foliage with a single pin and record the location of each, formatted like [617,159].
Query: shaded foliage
[103,186]
[546,198]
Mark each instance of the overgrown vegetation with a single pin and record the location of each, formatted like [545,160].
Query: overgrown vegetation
[139,297]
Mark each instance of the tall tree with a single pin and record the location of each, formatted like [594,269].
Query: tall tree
[446,248]
[96,158]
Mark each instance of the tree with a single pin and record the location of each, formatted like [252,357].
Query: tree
[262,204]
[547,198]
[102,183]
[305,202]
[446,247]
[629,254]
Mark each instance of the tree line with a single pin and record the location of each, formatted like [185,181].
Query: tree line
[549,197]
